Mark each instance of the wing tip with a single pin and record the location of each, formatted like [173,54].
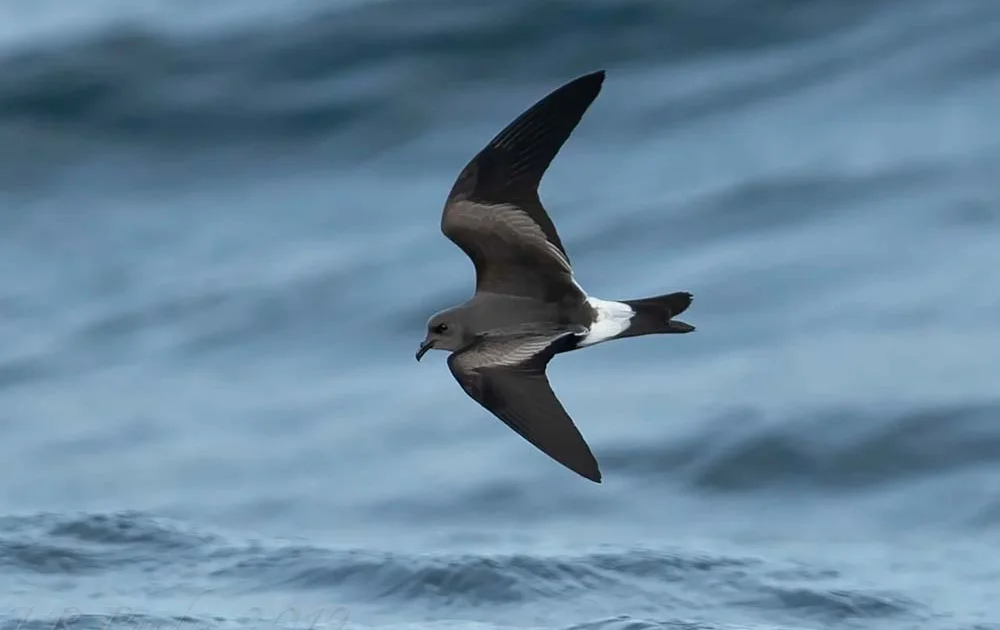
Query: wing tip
[589,471]
[594,75]
[593,81]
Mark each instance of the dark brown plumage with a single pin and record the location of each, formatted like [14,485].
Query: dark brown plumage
[527,306]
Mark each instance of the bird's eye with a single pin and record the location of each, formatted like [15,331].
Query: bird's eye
[440,328]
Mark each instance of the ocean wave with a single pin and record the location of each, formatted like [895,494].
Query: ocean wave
[378,62]
[469,578]
[41,557]
[128,528]
[92,543]
[838,605]
[845,451]
[105,542]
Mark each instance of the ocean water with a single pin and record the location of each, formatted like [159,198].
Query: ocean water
[219,243]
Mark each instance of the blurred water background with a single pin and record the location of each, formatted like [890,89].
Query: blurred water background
[219,244]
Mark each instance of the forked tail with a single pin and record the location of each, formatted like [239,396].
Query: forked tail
[654,315]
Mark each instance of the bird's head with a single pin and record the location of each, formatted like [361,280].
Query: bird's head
[444,332]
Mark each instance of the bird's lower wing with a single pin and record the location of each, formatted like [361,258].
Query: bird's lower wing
[507,377]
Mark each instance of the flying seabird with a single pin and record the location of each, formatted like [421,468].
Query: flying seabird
[527,306]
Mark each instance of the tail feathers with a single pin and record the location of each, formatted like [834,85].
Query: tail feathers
[654,315]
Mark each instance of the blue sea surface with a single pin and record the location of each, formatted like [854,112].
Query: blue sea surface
[220,242]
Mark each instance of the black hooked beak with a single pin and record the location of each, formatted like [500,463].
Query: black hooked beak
[424,347]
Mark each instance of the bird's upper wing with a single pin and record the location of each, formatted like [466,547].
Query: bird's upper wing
[506,375]
[493,211]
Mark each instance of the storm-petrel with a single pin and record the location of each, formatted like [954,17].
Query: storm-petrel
[527,306]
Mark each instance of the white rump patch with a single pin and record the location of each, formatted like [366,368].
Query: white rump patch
[613,318]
